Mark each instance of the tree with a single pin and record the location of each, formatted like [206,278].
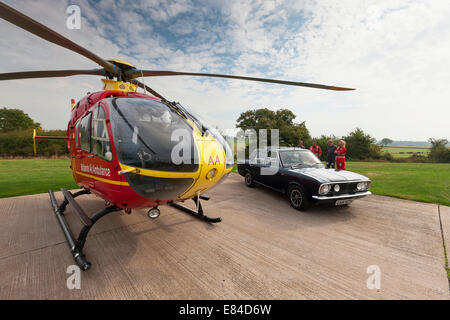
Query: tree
[439,151]
[283,120]
[386,141]
[361,146]
[15,119]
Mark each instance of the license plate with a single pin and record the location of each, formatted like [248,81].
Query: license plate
[343,202]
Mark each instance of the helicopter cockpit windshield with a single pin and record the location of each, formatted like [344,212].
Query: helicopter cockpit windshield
[143,135]
[205,129]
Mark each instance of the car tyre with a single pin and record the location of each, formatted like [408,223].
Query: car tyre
[249,182]
[298,198]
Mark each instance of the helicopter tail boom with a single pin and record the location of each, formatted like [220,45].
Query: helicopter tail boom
[45,137]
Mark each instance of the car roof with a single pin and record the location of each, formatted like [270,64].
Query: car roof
[283,148]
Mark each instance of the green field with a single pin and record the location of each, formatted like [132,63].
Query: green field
[427,182]
[20,177]
[406,151]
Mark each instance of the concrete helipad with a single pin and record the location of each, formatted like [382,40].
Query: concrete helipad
[263,249]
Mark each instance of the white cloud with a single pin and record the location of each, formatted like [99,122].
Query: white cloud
[394,52]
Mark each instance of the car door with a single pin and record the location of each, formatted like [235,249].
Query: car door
[256,161]
[270,172]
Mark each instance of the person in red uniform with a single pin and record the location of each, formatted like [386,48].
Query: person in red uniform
[316,149]
[340,152]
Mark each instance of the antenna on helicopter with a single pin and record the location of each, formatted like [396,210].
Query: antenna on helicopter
[143,82]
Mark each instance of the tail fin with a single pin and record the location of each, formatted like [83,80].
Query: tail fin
[34,141]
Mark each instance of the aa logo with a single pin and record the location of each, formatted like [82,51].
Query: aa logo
[74,19]
[374,281]
[74,280]
[211,160]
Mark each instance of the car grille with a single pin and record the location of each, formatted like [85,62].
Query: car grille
[346,188]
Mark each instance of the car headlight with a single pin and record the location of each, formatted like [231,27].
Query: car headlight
[360,186]
[324,189]
[336,188]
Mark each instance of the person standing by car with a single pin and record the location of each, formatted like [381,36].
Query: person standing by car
[300,144]
[340,152]
[331,157]
[317,150]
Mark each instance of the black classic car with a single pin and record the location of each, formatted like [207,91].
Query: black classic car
[302,177]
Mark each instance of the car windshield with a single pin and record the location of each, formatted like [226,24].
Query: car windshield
[299,158]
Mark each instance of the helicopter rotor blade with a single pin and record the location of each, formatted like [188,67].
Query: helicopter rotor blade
[50,74]
[150,73]
[143,86]
[19,19]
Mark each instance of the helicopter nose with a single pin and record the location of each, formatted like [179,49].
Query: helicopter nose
[212,166]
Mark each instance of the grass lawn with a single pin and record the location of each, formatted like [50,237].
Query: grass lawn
[426,182]
[402,151]
[21,177]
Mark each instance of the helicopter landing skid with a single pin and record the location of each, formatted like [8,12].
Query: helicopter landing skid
[76,245]
[199,212]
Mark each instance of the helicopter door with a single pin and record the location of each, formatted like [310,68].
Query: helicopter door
[77,135]
[101,146]
[85,155]
[75,146]
[85,134]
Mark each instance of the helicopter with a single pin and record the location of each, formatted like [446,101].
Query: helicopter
[121,142]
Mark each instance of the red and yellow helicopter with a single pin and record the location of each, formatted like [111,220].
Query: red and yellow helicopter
[121,142]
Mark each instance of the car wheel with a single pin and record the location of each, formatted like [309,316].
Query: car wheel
[249,180]
[298,198]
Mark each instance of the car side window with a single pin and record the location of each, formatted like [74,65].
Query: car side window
[261,156]
[85,133]
[101,145]
[252,156]
[272,158]
[258,156]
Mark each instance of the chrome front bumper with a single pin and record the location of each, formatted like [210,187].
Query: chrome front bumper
[343,196]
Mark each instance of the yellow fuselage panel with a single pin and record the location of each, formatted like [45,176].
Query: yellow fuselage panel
[121,62]
[118,86]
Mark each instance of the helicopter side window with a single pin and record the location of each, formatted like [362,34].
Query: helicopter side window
[85,133]
[77,135]
[100,140]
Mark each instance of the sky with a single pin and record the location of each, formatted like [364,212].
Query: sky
[395,53]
